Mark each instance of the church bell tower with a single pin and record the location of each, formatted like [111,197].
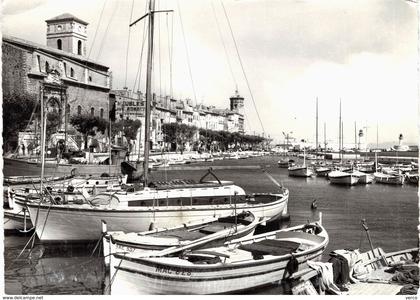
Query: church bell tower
[68,33]
[237,103]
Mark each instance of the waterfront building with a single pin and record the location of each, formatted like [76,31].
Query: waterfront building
[130,105]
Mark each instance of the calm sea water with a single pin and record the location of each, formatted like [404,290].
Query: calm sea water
[391,213]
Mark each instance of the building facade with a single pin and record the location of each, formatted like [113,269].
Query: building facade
[69,82]
[27,64]
[130,105]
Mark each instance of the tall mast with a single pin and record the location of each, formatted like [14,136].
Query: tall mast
[43,136]
[148,93]
[342,142]
[339,132]
[316,140]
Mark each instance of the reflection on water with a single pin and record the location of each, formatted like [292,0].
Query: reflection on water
[391,213]
[42,272]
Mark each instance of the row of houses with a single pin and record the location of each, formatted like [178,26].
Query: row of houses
[131,105]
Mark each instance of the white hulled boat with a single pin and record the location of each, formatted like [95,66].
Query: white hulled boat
[322,171]
[301,170]
[395,179]
[160,206]
[238,265]
[342,178]
[208,232]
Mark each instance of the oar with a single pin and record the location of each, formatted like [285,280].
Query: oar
[370,242]
[271,178]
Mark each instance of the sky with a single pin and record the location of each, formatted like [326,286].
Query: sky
[292,52]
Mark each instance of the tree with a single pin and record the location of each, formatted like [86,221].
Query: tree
[88,125]
[178,134]
[17,111]
[128,127]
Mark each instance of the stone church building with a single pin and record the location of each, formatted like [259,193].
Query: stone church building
[70,82]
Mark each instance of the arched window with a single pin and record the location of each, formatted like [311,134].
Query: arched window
[59,45]
[92,111]
[71,72]
[79,110]
[47,66]
[102,113]
[79,47]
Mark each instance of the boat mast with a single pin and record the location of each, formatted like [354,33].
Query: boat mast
[43,138]
[148,93]
[355,140]
[316,140]
[325,140]
[339,133]
[342,142]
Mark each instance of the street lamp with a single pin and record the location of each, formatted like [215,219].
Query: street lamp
[287,137]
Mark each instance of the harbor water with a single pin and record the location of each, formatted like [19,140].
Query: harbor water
[391,213]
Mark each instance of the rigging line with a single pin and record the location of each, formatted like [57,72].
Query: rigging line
[138,75]
[186,51]
[170,49]
[97,27]
[224,45]
[106,30]
[90,51]
[242,67]
[128,44]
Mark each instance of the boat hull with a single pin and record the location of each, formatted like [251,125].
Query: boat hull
[158,279]
[344,180]
[58,223]
[16,220]
[389,179]
[300,172]
[168,276]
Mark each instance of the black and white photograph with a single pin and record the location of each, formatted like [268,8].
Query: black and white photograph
[212,147]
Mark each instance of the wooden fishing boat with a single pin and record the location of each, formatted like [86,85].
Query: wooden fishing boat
[322,171]
[342,178]
[285,163]
[209,232]
[300,171]
[238,265]
[19,180]
[16,220]
[395,179]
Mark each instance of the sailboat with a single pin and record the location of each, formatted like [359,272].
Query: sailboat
[301,170]
[387,178]
[158,204]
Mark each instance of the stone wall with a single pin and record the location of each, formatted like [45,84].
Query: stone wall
[14,69]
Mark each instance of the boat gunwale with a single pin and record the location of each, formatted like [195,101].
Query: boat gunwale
[134,209]
[202,268]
